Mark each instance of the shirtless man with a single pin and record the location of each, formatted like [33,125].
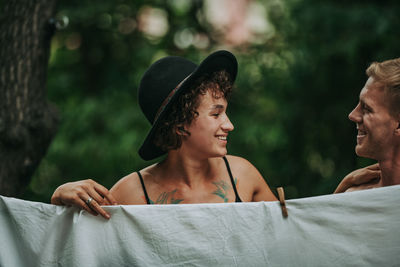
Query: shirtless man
[377,117]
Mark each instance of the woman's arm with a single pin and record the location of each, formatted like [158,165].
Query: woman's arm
[78,193]
[262,192]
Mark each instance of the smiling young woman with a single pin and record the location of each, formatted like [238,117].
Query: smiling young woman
[186,105]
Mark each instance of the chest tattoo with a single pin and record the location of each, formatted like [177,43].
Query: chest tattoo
[167,198]
[222,189]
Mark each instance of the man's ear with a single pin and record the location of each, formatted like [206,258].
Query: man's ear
[397,130]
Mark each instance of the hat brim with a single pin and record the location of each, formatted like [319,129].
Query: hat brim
[219,60]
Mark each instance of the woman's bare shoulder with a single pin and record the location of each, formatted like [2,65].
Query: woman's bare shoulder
[126,181]
[243,169]
[132,179]
[128,190]
[240,165]
[252,179]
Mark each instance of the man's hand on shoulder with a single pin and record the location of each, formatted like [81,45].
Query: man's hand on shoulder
[360,179]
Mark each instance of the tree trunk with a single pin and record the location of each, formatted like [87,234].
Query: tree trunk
[27,121]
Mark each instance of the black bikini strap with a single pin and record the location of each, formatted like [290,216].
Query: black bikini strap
[144,188]
[232,181]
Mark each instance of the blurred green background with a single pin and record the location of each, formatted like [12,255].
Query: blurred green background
[301,67]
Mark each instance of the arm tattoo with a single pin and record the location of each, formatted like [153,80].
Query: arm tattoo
[222,189]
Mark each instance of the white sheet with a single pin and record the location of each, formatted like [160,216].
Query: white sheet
[351,229]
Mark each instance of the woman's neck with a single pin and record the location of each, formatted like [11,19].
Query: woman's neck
[185,169]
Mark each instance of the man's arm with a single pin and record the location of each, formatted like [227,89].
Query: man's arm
[358,177]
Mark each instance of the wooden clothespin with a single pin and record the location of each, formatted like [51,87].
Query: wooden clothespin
[281,195]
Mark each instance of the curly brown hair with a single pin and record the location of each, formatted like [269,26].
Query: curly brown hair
[184,110]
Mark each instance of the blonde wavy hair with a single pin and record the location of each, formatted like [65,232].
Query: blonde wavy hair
[388,74]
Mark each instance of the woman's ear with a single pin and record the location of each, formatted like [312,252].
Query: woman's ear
[180,130]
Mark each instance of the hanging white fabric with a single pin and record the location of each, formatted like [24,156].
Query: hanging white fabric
[351,229]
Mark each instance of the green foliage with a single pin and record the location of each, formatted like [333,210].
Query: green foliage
[293,92]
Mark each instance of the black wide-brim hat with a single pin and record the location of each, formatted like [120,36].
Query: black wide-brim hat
[165,81]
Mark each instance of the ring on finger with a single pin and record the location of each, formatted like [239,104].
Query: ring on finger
[89,200]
